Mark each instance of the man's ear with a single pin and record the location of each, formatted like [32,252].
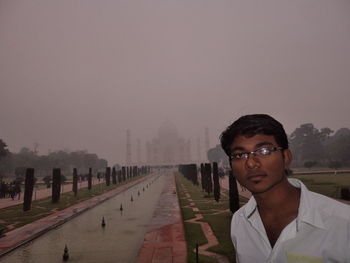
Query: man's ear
[288,157]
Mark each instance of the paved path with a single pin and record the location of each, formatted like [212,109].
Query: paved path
[43,193]
[165,241]
[26,233]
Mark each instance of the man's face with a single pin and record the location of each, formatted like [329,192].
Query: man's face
[259,173]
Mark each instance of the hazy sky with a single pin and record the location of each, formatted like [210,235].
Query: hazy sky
[76,74]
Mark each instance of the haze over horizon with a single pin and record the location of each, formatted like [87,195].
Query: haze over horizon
[77,74]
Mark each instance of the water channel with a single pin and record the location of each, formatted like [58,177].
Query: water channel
[88,241]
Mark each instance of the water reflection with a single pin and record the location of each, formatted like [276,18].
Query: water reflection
[88,241]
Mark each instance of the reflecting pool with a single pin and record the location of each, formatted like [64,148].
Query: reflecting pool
[88,241]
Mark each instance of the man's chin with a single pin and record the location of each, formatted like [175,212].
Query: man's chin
[260,188]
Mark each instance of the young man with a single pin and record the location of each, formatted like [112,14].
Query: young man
[283,221]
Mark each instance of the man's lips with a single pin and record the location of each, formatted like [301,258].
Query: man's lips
[255,176]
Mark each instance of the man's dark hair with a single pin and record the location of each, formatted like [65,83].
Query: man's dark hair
[250,125]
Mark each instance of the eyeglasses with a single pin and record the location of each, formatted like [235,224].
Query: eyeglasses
[261,152]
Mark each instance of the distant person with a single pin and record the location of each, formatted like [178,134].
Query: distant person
[12,191]
[17,189]
[283,221]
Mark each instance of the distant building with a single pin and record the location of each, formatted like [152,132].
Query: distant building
[128,148]
[168,147]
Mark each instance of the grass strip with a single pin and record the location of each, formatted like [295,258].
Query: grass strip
[216,214]
[326,184]
[219,226]
[194,234]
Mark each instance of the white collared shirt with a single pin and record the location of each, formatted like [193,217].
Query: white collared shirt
[320,233]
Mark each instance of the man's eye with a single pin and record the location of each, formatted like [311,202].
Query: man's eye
[264,151]
[237,155]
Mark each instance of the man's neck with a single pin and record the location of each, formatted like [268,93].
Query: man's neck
[277,208]
[282,197]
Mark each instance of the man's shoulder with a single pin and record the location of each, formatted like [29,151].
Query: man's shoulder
[239,214]
[330,206]
[323,204]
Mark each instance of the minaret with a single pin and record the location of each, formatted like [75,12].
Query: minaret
[128,147]
[155,152]
[148,152]
[188,151]
[138,152]
[206,142]
[199,157]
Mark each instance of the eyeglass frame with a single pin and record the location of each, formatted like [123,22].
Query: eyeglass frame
[255,153]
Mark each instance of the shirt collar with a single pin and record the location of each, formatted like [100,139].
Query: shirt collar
[307,213]
[250,207]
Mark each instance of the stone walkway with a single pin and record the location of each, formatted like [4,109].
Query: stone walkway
[165,241]
[26,233]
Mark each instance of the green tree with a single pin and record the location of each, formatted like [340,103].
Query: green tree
[47,180]
[25,158]
[217,155]
[335,165]
[43,164]
[6,165]
[3,149]
[307,143]
[309,164]
[6,160]
[338,147]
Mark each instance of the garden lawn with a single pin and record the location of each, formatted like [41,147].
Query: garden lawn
[216,214]
[326,184]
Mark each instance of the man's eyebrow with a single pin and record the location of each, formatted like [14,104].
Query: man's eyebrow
[263,144]
[237,148]
[258,145]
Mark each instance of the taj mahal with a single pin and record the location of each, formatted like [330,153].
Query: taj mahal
[168,147]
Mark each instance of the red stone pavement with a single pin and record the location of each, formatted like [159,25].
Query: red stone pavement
[26,233]
[165,241]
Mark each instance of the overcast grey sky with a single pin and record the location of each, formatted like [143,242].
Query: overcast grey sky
[76,74]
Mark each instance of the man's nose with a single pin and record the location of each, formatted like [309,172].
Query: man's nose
[252,161]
